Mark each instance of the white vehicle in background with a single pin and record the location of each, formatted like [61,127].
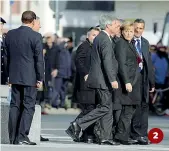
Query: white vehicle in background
[164,39]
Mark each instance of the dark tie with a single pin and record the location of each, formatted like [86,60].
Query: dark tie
[138,46]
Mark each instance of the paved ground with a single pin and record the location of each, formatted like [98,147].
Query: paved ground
[53,127]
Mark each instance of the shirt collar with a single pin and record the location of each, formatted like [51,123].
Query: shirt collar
[107,34]
[135,38]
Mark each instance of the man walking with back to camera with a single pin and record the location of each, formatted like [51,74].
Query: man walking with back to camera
[26,71]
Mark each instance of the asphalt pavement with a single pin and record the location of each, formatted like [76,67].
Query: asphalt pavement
[54,126]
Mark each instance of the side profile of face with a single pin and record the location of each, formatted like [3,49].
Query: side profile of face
[92,34]
[138,29]
[128,33]
[36,26]
[117,29]
[114,27]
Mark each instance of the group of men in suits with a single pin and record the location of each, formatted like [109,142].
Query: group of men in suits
[97,86]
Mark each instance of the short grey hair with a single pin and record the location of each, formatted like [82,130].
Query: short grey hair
[106,19]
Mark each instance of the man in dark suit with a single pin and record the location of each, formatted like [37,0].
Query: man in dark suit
[26,72]
[83,95]
[139,124]
[102,78]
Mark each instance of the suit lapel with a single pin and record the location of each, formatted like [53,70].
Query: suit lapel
[143,48]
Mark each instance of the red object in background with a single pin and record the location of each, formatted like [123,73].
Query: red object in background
[155,135]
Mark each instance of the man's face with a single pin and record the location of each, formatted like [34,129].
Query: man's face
[92,35]
[49,40]
[114,27]
[37,25]
[69,44]
[1,27]
[138,29]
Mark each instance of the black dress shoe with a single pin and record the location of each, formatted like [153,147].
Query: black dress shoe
[143,141]
[128,142]
[109,142]
[133,141]
[26,143]
[74,131]
[43,139]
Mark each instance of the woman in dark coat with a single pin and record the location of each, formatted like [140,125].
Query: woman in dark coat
[128,93]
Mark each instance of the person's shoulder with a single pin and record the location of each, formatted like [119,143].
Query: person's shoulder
[145,40]
[11,31]
[36,34]
[120,41]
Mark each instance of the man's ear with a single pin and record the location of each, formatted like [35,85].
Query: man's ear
[33,22]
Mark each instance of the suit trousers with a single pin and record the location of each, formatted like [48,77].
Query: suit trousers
[116,117]
[86,108]
[139,125]
[124,124]
[22,108]
[102,114]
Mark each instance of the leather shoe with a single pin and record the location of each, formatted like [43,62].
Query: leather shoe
[142,141]
[133,141]
[109,142]
[74,131]
[42,139]
[128,142]
[26,143]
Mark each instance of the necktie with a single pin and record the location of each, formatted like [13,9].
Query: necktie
[138,46]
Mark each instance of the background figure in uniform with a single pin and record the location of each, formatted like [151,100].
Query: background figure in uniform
[139,126]
[61,73]
[102,78]
[26,71]
[4,76]
[83,95]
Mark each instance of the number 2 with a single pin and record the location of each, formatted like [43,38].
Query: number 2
[155,135]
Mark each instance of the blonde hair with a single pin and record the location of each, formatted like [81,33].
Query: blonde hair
[126,25]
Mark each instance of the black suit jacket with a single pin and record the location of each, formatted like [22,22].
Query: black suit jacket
[104,66]
[24,51]
[82,93]
[127,57]
[148,71]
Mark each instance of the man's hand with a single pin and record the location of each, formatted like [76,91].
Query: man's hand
[129,87]
[115,85]
[39,84]
[54,73]
[152,90]
[85,77]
